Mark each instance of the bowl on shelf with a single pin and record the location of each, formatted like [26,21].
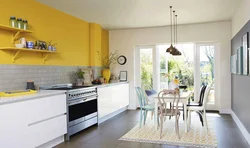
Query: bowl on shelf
[19,45]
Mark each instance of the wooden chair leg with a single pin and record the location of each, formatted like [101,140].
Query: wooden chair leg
[152,114]
[177,126]
[161,126]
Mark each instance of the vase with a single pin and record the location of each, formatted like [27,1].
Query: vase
[106,74]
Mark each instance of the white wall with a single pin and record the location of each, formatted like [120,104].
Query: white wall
[241,17]
[125,41]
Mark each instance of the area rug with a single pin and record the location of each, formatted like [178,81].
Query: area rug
[195,137]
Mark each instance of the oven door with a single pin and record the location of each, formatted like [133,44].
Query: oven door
[82,109]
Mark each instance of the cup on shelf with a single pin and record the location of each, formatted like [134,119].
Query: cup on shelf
[30,44]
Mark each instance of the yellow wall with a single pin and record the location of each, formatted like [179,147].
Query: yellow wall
[105,43]
[95,44]
[71,34]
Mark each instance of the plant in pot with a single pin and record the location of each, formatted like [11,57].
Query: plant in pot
[80,77]
[107,61]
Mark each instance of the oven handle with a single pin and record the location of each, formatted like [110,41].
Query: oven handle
[82,100]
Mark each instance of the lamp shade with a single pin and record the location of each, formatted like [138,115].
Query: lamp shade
[170,49]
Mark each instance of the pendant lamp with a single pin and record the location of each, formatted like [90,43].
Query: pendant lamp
[171,48]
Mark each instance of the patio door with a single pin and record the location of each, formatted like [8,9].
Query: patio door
[206,71]
[145,69]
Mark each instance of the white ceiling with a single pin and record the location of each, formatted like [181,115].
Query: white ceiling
[120,14]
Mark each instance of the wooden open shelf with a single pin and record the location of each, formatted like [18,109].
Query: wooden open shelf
[17,51]
[15,30]
[4,27]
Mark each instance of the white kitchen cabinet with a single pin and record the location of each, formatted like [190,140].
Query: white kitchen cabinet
[31,123]
[49,107]
[112,98]
[13,125]
[47,130]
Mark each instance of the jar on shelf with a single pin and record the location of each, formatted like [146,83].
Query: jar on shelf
[13,22]
[25,24]
[19,23]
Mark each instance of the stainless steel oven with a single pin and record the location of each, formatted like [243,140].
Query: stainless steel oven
[82,110]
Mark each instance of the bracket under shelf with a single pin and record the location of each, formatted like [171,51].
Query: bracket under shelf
[14,55]
[45,57]
[15,36]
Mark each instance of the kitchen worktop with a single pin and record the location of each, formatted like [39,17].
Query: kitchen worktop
[110,84]
[40,94]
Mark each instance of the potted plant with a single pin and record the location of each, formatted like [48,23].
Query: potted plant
[107,61]
[80,77]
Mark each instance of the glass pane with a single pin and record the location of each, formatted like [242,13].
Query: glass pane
[207,69]
[146,56]
[163,66]
[180,67]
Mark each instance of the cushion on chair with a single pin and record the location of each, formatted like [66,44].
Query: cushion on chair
[150,92]
[148,107]
[193,104]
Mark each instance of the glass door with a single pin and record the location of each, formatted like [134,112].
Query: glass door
[145,71]
[206,70]
[180,67]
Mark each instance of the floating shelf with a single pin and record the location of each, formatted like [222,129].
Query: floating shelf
[15,30]
[16,51]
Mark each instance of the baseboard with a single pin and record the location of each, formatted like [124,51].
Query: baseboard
[241,127]
[53,143]
[107,117]
[225,111]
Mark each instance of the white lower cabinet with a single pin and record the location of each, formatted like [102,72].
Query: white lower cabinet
[45,131]
[13,126]
[31,123]
[112,98]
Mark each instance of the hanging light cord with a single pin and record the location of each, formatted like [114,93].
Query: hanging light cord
[171,23]
[174,27]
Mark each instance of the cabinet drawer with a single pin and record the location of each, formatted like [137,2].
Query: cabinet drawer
[45,108]
[46,131]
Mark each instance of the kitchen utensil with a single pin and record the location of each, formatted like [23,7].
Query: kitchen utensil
[17,93]
[30,85]
[22,41]
[19,45]
[30,44]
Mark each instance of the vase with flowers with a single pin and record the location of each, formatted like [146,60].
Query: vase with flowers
[107,61]
[173,81]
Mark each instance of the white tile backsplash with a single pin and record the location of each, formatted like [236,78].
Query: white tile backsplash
[13,77]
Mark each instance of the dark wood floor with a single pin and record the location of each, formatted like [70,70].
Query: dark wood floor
[108,133]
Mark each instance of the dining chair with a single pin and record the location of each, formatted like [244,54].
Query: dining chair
[144,106]
[200,109]
[149,91]
[199,103]
[172,111]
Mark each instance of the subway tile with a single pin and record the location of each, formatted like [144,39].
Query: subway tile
[16,76]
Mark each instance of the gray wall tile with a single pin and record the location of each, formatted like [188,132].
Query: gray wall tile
[14,77]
